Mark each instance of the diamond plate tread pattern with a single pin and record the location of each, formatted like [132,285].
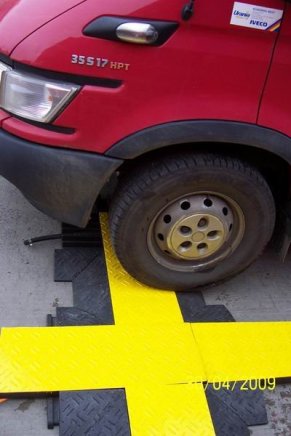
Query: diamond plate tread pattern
[226,422]
[180,409]
[86,268]
[94,413]
[72,316]
[249,405]
[150,350]
[213,313]
[91,291]
[238,351]
[133,302]
[87,413]
[194,309]
[69,262]
[51,359]
[56,358]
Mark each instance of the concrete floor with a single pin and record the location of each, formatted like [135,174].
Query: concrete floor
[28,293]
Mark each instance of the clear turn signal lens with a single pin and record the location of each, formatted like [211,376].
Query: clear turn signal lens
[32,97]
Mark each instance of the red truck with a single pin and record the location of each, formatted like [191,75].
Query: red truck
[176,112]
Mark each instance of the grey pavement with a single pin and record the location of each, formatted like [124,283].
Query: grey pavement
[28,293]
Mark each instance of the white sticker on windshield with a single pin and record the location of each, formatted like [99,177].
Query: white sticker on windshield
[256,17]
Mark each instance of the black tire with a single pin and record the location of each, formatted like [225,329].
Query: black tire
[152,186]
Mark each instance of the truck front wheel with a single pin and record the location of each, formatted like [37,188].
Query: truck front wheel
[187,220]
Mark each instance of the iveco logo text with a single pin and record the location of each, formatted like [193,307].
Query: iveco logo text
[259,23]
[242,14]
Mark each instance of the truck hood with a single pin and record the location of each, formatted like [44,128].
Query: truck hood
[21,18]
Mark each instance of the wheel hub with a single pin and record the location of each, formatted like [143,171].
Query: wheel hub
[194,228]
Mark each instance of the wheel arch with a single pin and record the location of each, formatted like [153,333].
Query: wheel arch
[200,131]
[268,150]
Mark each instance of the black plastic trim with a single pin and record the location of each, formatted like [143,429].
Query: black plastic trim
[105,28]
[62,183]
[183,132]
[67,77]
[6,59]
[50,127]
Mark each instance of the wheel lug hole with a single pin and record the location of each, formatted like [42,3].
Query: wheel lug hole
[185,230]
[208,202]
[185,205]
[202,246]
[213,234]
[203,222]
[167,219]
[186,245]
[225,211]
[161,237]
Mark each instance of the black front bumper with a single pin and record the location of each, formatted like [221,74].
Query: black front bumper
[61,183]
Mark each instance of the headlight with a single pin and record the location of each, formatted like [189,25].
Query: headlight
[32,97]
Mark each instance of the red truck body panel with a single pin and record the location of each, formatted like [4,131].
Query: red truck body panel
[208,69]
[276,105]
[211,80]
[20,18]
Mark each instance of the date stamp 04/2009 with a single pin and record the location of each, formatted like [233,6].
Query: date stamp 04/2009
[263,384]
